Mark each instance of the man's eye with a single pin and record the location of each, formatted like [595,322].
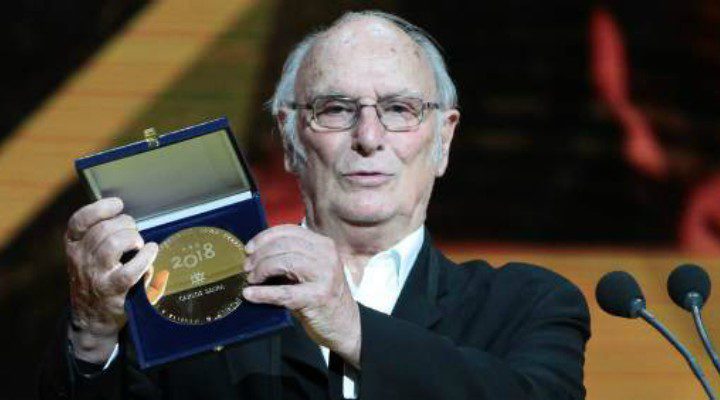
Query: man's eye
[399,108]
[334,108]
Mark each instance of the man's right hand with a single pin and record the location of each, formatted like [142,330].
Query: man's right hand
[96,238]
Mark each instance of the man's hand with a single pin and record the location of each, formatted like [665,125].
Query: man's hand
[96,238]
[320,297]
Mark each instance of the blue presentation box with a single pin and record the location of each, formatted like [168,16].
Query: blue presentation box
[194,177]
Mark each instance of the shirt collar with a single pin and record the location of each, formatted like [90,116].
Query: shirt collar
[404,253]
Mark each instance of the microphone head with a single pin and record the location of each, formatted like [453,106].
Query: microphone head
[686,280]
[619,294]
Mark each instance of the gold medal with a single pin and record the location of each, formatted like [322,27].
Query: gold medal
[198,276]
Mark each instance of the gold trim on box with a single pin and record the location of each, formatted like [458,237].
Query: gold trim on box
[151,137]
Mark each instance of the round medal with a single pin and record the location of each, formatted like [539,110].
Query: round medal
[198,276]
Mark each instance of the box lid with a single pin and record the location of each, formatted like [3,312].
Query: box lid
[180,173]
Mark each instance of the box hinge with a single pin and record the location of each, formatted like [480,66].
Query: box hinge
[151,137]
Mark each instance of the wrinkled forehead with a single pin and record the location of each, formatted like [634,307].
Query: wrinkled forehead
[367,57]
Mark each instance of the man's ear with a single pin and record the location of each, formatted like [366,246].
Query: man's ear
[280,120]
[447,131]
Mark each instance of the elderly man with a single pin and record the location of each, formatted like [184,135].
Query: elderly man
[367,112]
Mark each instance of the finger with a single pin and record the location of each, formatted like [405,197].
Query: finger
[274,232]
[290,266]
[91,214]
[111,249]
[122,279]
[105,229]
[284,245]
[292,297]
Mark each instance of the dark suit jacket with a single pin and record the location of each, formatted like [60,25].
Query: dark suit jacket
[465,331]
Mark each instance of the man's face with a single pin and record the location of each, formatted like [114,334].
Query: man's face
[367,175]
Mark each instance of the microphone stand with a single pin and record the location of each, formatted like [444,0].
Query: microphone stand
[704,336]
[647,316]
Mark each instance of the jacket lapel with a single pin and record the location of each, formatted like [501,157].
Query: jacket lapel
[418,301]
[299,348]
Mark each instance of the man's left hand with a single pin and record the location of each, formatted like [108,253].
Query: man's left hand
[317,294]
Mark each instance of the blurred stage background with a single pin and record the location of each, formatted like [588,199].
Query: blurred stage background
[589,141]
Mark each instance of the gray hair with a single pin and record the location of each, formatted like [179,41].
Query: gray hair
[285,90]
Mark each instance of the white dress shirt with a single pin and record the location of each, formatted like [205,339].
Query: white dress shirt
[383,279]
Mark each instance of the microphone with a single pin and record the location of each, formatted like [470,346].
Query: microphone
[619,294]
[689,287]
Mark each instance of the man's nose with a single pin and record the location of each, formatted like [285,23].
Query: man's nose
[369,135]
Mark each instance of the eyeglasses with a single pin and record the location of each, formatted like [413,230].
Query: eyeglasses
[338,113]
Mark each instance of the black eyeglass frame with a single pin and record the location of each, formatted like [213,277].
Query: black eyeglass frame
[424,105]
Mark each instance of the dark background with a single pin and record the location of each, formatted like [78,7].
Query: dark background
[537,158]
